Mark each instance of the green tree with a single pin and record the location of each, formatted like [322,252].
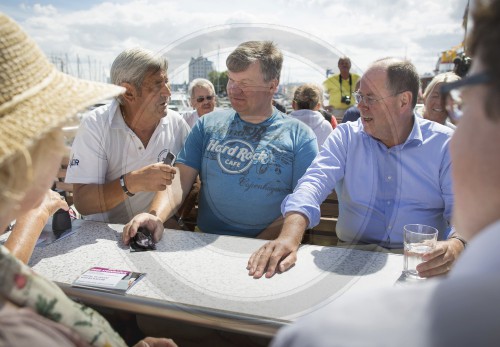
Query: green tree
[219,79]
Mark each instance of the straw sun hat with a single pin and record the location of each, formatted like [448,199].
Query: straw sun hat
[35,98]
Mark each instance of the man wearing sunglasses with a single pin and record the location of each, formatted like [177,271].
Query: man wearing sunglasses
[390,168]
[202,96]
[461,309]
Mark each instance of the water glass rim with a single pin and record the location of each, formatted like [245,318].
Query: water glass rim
[420,229]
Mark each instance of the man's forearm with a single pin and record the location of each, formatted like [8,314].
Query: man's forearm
[23,238]
[294,226]
[272,231]
[97,198]
[166,202]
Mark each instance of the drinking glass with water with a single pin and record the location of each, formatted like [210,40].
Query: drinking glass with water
[418,240]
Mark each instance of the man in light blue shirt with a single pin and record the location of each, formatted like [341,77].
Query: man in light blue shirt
[390,168]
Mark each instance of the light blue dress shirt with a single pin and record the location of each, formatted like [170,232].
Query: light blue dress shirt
[380,189]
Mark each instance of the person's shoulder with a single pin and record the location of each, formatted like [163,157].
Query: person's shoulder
[434,128]
[218,115]
[98,117]
[173,115]
[189,115]
[351,127]
[216,119]
[332,78]
[340,320]
[290,119]
[351,114]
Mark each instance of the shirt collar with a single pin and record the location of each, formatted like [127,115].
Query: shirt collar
[116,120]
[415,136]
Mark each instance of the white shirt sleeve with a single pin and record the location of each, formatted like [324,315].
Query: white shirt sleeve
[88,159]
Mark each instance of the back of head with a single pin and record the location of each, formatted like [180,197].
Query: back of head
[200,82]
[265,52]
[35,101]
[444,77]
[307,96]
[483,43]
[402,76]
[132,66]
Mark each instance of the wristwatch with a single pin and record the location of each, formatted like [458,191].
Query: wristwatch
[124,187]
[459,238]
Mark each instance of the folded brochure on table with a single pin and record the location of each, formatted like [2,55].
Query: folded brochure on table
[109,280]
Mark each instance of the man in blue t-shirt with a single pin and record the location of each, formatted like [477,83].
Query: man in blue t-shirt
[248,158]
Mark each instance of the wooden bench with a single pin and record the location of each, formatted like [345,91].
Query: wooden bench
[324,233]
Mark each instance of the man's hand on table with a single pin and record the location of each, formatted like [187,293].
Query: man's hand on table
[440,260]
[281,254]
[275,256]
[155,342]
[147,220]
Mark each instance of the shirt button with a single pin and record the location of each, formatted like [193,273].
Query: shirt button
[390,227]
[388,202]
[140,147]
[389,178]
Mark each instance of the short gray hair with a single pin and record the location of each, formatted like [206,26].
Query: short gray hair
[344,58]
[132,66]
[402,76]
[200,82]
[265,52]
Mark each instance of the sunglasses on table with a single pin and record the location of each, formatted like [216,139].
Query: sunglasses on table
[451,93]
[202,98]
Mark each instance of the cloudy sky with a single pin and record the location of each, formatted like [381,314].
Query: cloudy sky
[312,33]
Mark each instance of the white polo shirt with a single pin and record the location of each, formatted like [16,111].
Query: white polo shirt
[106,148]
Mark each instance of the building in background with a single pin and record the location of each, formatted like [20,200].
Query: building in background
[200,67]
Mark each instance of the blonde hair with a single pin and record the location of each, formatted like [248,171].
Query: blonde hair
[307,96]
[441,78]
[18,172]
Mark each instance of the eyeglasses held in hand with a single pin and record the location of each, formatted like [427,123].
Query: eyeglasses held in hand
[202,98]
[452,95]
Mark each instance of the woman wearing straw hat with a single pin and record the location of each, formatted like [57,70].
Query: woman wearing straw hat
[36,100]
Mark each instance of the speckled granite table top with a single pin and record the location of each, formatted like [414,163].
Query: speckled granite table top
[210,270]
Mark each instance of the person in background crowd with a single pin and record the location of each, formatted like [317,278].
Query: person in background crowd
[202,97]
[340,88]
[279,106]
[117,156]
[461,309]
[328,117]
[307,100]
[352,114]
[434,108]
[33,109]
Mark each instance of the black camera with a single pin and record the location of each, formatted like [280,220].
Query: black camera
[462,65]
[346,99]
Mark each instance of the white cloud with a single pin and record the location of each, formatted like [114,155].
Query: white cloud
[363,29]
[47,10]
